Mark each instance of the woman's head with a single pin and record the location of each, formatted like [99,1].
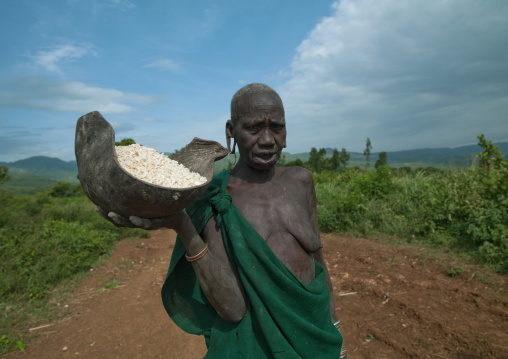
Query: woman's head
[257,125]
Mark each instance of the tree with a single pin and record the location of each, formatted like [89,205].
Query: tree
[4,173]
[62,189]
[494,173]
[313,159]
[316,161]
[366,152]
[322,163]
[334,160]
[344,158]
[382,160]
[491,157]
[125,142]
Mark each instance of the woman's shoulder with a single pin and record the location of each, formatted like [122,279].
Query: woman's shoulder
[219,178]
[295,173]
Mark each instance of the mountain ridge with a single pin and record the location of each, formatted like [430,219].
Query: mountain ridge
[58,170]
[41,163]
[461,157]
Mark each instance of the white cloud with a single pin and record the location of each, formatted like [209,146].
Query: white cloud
[211,19]
[104,5]
[38,93]
[164,65]
[51,60]
[122,4]
[406,74]
[197,29]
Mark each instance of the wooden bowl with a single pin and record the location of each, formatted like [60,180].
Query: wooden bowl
[111,187]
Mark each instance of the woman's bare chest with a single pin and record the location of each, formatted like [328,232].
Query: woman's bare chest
[280,215]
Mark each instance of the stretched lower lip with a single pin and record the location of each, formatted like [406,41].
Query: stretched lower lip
[266,157]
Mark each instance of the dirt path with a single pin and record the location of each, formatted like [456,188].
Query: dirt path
[394,302]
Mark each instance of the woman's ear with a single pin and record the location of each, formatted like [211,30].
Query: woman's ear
[229,134]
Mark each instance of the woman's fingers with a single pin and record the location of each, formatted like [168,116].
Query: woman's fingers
[120,221]
[141,222]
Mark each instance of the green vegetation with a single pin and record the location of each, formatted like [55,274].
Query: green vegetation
[50,237]
[26,183]
[110,285]
[50,168]
[46,239]
[125,142]
[366,152]
[382,160]
[462,209]
[4,173]
[319,162]
[454,271]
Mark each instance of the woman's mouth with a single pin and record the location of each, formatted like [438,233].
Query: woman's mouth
[266,157]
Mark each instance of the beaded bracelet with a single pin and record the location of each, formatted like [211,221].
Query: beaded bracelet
[197,256]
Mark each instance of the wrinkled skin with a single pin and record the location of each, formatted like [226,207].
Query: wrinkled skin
[279,202]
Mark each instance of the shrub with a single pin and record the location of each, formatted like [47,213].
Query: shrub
[62,189]
[467,209]
[58,251]
[46,239]
[4,173]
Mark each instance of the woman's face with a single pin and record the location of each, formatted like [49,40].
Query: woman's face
[260,131]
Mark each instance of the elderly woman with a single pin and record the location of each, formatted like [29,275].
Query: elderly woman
[247,271]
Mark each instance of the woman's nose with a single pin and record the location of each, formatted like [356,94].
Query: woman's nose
[266,137]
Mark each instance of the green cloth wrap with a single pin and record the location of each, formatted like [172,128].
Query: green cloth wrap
[286,318]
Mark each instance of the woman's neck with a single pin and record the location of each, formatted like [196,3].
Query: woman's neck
[252,175]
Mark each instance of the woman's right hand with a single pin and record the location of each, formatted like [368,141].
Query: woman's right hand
[173,221]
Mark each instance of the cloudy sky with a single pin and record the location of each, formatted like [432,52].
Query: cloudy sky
[407,74]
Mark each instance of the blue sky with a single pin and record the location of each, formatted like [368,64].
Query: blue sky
[407,74]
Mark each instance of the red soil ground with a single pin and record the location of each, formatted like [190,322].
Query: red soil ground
[394,301]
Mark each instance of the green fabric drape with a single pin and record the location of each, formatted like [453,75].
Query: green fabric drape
[286,318]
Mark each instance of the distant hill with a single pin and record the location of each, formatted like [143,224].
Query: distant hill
[43,172]
[459,157]
[48,167]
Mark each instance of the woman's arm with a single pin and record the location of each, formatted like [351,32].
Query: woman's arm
[207,254]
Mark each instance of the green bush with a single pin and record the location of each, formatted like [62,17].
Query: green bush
[466,209]
[62,189]
[4,173]
[377,183]
[61,249]
[344,199]
[46,239]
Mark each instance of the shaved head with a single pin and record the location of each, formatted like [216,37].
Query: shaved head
[247,91]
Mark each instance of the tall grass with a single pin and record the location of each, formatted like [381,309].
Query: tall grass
[46,239]
[466,209]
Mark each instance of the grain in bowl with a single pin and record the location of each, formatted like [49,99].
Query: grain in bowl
[147,164]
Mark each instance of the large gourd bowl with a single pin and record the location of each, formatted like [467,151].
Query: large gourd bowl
[111,187]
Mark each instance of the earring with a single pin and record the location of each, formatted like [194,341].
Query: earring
[229,158]
[228,142]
